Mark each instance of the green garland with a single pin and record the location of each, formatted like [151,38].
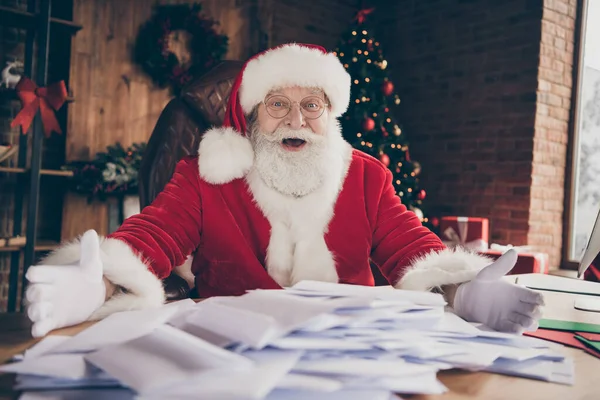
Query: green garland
[151,48]
[109,174]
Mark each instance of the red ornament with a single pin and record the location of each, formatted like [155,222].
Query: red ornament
[368,124]
[421,195]
[384,159]
[387,88]
[384,132]
[435,221]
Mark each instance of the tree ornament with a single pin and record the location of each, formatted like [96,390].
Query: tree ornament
[368,124]
[397,130]
[387,88]
[385,159]
[382,64]
[418,213]
[435,221]
[422,194]
[397,100]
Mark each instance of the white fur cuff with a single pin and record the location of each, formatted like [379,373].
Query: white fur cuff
[446,267]
[224,155]
[121,267]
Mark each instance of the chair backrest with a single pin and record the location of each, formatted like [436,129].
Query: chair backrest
[201,104]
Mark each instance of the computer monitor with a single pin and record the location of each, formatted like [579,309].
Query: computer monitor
[592,249]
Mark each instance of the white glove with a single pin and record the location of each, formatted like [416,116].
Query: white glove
[499,304]
[65,295]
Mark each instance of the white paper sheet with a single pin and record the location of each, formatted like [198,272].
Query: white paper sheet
[164,357]
[296,381]
[71,366]
[282,394]
[44,346]
[117,328]
[98,394]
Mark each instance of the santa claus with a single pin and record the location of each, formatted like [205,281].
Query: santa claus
[273,197]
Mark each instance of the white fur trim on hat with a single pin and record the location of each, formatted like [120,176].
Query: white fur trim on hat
[122,267]
[295,65]
[224,155]
[446,267]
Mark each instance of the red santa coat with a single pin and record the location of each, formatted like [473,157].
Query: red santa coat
[243,235]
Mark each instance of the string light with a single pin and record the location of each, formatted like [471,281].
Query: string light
[335,54]
[357,101]
[356,81]
[401,194]
[398,182]
[346,66]
[376,43]
[341,54]
[354,33]
[362,143]
[367,80]
[412,174]
[359,134]
[366,53]
[409,190]
[364,32]
[359,51]
[393,146]
[364,40]
[369,61]
[354,59]
[388,120]
[374,114]
[363,98]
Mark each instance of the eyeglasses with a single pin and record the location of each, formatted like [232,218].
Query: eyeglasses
[278,106]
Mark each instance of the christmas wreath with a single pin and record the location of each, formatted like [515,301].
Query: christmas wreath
[152,50]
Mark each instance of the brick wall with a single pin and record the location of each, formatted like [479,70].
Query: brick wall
[551,126]
[311,21]
[485,89]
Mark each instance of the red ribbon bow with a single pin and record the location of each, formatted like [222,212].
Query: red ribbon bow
[362,14]
[46,99]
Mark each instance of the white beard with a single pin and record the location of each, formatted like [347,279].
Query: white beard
[292,173]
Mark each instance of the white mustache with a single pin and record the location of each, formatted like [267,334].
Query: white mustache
[285,133]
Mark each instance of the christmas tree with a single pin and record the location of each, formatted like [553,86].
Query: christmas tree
[369,124]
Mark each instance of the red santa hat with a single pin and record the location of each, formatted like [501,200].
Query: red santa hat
[304,65]
[225,152]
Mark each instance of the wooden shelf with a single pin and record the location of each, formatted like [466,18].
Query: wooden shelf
[41,245]
[22,19]
[51,172]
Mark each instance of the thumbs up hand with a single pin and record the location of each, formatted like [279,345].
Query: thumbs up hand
[64,295]
[498,304]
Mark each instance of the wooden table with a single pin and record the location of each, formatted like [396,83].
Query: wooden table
[15,338]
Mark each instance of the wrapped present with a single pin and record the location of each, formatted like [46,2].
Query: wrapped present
[468,232]
[528,262]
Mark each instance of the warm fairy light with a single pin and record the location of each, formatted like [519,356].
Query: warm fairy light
[354,33]
[341,54]
[356,81]
[397,101]
[406,176]
[401,194]
[366,53]
[393,146]
[364,40]
[359,51]
[398,182]
[369,61]
[362,143]
[374,114]
[370,144]
[399,164]
[412,174]
[363,98]
[370,40]
[376,43]
[359,134]
[425,219]
[409,190]
[357,101]
[346,66]
[354,59]
[364,32]
[388,120]
[367,80]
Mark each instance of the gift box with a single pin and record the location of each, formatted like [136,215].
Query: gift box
[528,261]
[469,232]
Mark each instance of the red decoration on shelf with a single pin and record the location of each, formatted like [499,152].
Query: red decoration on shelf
[422,194]
[46,99]
[368,124]
[385,159]
[387,88]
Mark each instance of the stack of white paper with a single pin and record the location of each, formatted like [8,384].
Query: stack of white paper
[314,340]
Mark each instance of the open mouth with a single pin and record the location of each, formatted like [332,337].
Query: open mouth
[293,143]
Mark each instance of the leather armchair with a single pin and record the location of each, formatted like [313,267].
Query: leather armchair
[201,104]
